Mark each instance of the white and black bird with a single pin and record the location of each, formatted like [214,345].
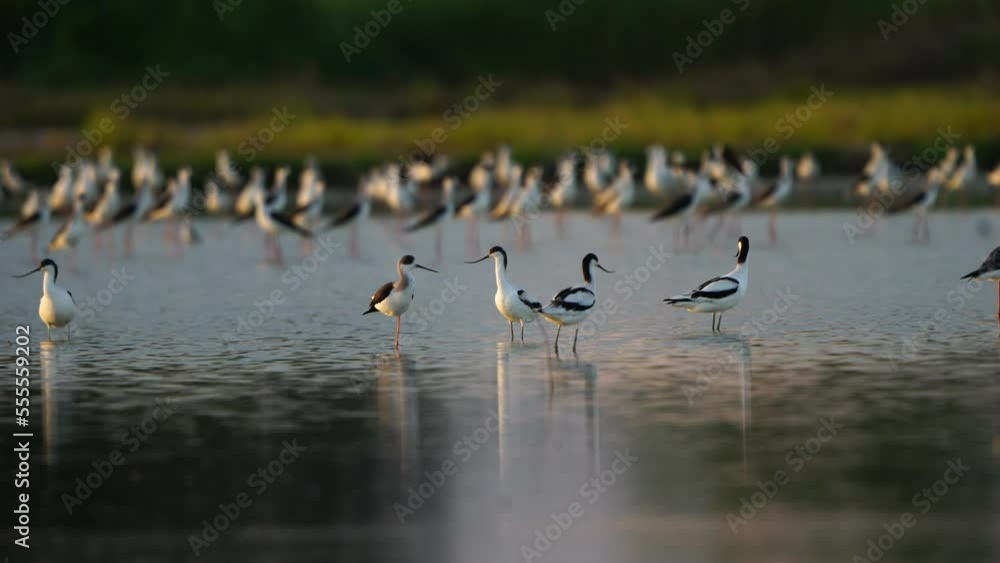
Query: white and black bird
[566,190]
[56,308]
[476,205]
[807,168]
[34,220]
[989,270]
[775,194]
[720,294]
[355,216]
[920,205]
[437,215]
[273,222]
[684,206]
[513,303]
[68,235]
[394,298]
[572,305]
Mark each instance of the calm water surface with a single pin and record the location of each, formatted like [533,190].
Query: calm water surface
[842,387]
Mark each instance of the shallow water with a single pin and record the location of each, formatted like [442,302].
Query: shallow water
[876,339]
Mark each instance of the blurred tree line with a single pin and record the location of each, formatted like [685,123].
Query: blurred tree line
[595,42]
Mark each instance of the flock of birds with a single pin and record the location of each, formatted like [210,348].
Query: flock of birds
[719,187]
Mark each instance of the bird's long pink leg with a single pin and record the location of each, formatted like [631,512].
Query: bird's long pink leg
[399,321]
[998,302]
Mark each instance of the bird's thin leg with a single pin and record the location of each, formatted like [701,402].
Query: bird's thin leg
[48,328]
[720,322]
[713,322]
[69,337]
[773,226]
[511,330]
[558,330]
[399,321]
[575,335]
[998,301]
[438,236]
[277,250]
[522,332]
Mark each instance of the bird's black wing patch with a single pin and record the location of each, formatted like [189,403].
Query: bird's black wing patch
[286,221]
[346,216]
[465,202]
[380,295]
[673,207]
[908,204]
[720,278]
[534,305]
[428,219]
[560,299]
[771,190]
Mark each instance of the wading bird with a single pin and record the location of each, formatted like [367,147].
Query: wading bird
[572,305]
[989,270]
[56,308]
[718,294]
[272,223]
[513,303]
[394,298]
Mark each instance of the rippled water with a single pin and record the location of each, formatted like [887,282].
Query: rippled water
[876,339]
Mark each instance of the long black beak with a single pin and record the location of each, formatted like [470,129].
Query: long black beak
[605,269]
[28,274]
[478,261]
[424,268]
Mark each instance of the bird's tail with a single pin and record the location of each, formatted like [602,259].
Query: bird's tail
[971,275]
[678,300]
[371,309]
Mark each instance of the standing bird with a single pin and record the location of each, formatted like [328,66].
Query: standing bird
[61,197]
[56,308]
[272,223]
[394,298]
[564,194]
[572,305]
[513,303]
[34,220]
[70,232]
[989,270]
[775,195]
[355,216]
[617,197]
[719,294]
[437,216]
[685,206]
[477,204]
[921,204]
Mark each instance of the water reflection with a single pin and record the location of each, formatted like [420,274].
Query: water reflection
[50,403]
[398,409]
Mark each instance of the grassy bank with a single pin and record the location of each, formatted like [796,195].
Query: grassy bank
[352,129]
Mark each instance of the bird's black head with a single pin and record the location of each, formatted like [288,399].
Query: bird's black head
[499,250]
[589,259]
[407,260]
[41,266]
[743,250]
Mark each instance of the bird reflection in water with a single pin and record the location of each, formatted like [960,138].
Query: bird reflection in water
[397,407]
